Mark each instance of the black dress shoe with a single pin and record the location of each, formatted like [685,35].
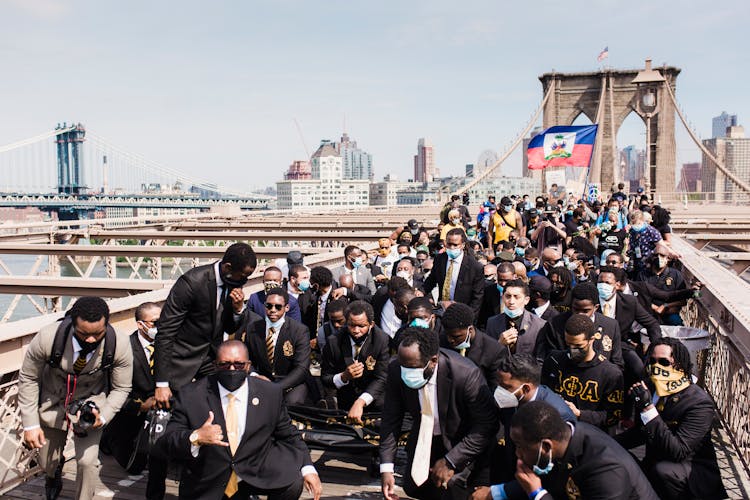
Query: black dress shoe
[53,487]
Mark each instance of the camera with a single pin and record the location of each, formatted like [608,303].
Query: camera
[86,419]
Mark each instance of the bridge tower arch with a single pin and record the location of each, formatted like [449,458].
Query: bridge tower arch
[70,159]
[607,97]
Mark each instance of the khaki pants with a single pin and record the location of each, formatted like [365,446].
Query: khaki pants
[87,458]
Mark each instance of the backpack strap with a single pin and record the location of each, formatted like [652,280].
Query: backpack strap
[58,345]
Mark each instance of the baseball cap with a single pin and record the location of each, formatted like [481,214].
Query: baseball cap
[294,257]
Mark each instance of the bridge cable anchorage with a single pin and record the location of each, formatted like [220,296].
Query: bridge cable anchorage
[507,152]
[162,169]
[730,175]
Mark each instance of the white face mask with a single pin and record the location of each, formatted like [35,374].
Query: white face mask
[149,332]
[404,274]
[506,399]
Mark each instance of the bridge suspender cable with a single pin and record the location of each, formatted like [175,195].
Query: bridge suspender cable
[732,177]
[518,141]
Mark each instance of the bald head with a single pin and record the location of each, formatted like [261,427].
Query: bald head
[346,281]
[232,350]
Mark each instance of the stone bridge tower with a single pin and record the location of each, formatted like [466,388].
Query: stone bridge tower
[608,97]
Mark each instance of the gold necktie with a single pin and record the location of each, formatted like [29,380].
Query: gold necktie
[270,345]
[447,283]
[150,349]
[80,363]
[607,309]
[420,467]
[234,441]
[357,349]
[462,351]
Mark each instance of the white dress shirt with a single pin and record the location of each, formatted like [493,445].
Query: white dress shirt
[454,277]
[145,343]
[541,309]
[432,394]
[365,396]
[389,322]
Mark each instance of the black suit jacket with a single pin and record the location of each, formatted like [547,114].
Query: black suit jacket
[190,328]
[552,338]
[549,313]
[308,305]
[469,284]
[271,452]
[646,293]
[490,304]
[627,311]
[529,327]
[374,354]
[291,355]
[486,353]
[682,433]
[468,421]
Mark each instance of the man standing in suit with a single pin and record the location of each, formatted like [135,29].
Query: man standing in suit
[280,347]
[81,359]
[515,328]
[355,362]
[121,434]
[680,459]
[585,301]
[462,336]
[353,264]
[540,289]
[492,302]
[453,418]
[313,302]
[262,454]
[558,459]
[457,275]
[202,309]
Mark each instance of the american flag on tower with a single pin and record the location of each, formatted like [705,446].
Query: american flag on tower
[603,54]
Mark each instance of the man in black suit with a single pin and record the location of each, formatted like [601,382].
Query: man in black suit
[263,452]
[313,301]
[585,301]
[407,268]
[355,361]
[516,329]
[280,347]
[558,459]
[461,335]
[202,309]
[540,289]
[492,301]
[121,435]
[385,294]
[453,419]
[458,275]
[680,459]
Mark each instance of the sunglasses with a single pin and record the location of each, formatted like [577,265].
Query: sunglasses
[659,361]
[228,365]
[278,307]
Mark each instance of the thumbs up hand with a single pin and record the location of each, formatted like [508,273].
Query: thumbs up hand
[210,433]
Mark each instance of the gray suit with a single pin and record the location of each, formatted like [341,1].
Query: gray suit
[41,400]
[528,329]
[362,276]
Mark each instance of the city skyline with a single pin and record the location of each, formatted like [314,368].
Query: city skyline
[188,88]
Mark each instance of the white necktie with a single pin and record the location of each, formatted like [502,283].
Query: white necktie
[420,467]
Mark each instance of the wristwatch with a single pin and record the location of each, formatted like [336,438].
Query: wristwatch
[194,438]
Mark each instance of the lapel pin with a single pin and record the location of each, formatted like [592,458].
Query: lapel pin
[255,401]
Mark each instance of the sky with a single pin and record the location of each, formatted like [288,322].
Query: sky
[214,88]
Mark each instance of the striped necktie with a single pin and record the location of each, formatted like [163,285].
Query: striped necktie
[270,345]
[150,349]
[234,441]
[80,363]
[446,296]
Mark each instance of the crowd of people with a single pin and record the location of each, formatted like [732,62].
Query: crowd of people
[520,347]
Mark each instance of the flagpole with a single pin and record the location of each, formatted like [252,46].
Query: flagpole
[588,169]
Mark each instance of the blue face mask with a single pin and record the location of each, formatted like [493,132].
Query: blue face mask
[419,323]
[356,263]
[466,343]
[639,228]
[605,290]
[512,313]
[520,251]
[276,325]
[538,470]
[413,378]
[303,285]
[453,253]
[500,288]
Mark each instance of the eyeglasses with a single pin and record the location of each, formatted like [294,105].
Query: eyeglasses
[489,276]
[228,365]
[278,307]
[659,361]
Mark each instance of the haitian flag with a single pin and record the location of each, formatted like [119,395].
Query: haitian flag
[562,147]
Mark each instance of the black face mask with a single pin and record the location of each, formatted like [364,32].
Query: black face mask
[87,347]
[232,283]
[577,355]
[231,380]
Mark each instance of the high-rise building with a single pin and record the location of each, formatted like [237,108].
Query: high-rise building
[299,170]
[633,163]
[424,162]
[720,123]
[733,151]
[357,164]
[327,188]
[690,178]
